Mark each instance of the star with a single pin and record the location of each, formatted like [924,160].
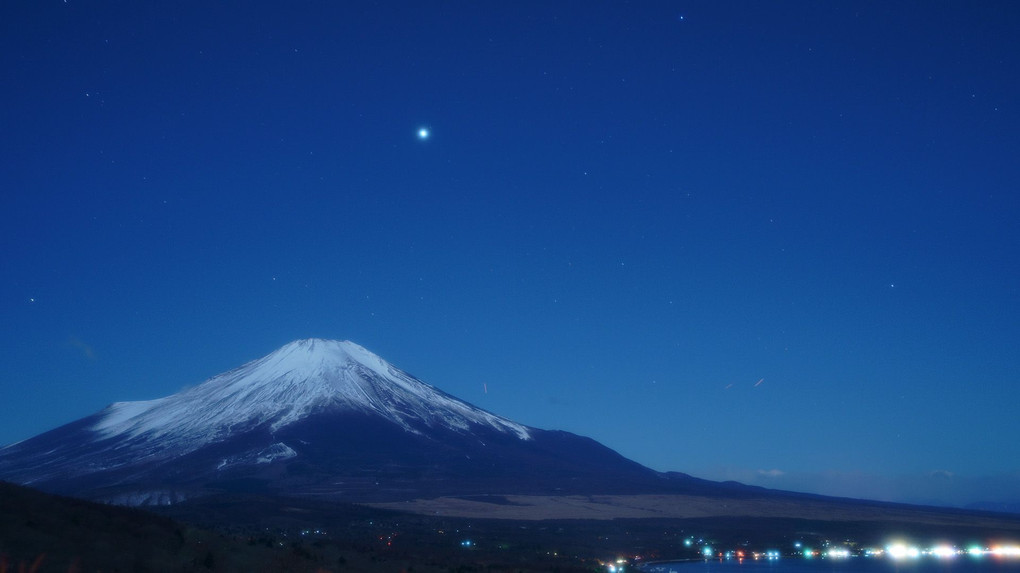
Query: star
[423,133]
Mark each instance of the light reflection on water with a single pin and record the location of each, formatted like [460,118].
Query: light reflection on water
[853,565]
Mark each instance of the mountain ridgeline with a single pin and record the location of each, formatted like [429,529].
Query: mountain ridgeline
[326,419]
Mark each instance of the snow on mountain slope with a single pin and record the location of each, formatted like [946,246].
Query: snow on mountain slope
[315,418]
[299,379]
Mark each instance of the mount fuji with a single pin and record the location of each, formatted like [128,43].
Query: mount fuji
[320,418]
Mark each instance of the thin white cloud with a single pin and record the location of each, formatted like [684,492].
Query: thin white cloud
[85,350]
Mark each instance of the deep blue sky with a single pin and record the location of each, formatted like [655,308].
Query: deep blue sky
[773,242]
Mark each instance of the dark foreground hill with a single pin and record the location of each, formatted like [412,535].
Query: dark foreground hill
[243,532]
[43,532]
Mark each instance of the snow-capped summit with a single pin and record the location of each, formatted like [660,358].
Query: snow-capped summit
[316,417]
[299,379]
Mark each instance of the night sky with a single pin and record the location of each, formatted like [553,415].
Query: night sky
[776,242]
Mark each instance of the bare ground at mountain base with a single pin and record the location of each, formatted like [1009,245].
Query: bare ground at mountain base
[526,507]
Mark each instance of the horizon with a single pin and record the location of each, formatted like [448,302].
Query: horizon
[768,243]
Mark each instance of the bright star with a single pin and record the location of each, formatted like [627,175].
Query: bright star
[423,133]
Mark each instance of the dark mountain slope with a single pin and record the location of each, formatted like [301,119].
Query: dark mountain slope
[326,419]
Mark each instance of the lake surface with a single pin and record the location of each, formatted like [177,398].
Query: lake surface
[852,565]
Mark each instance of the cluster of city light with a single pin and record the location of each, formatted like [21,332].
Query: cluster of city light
[838,553]
[896,551]
[903,551]
[618,566]
[1010,551]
